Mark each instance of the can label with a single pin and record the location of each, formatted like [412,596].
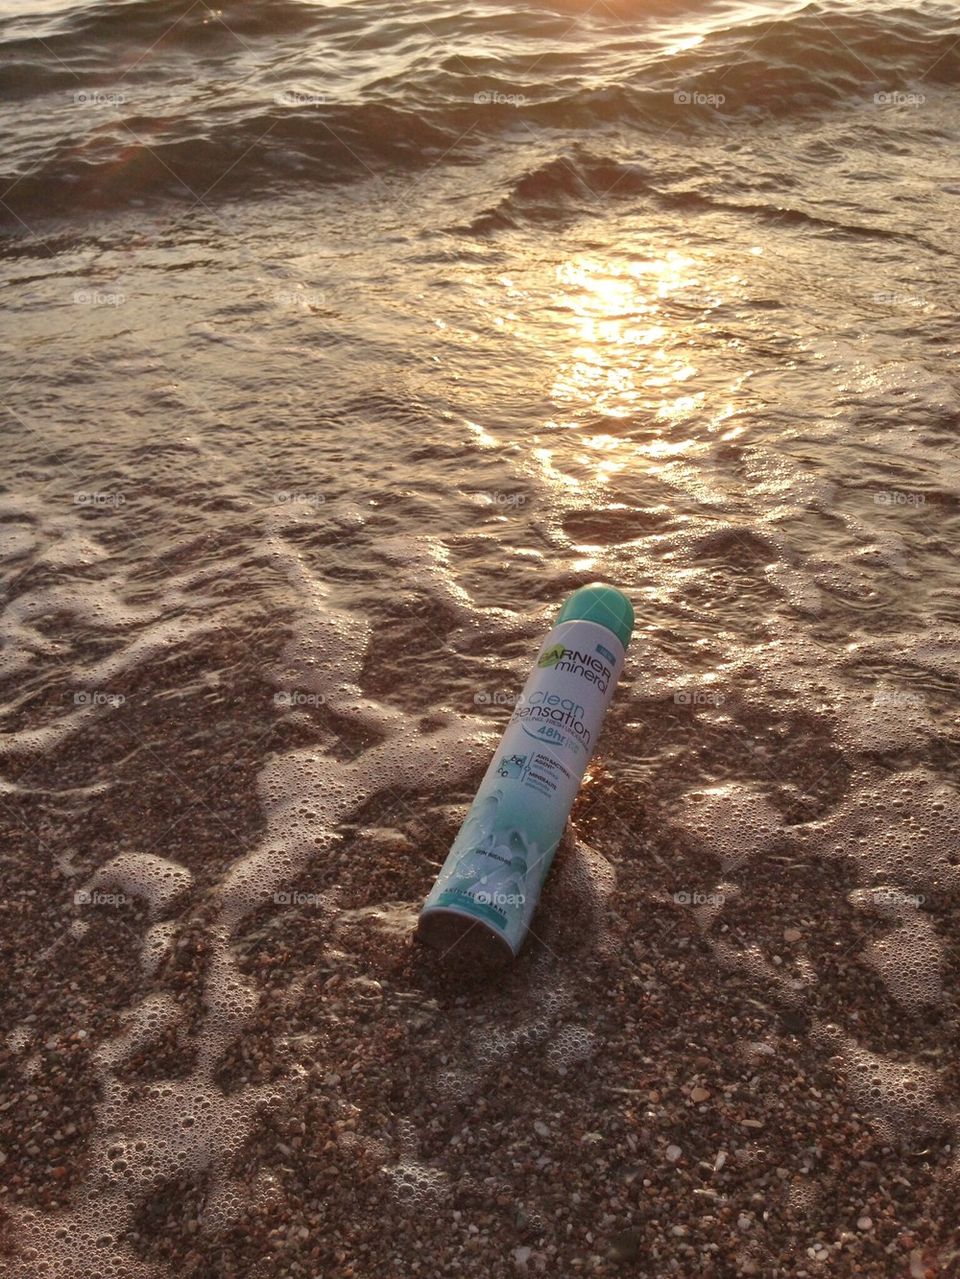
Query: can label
[500,858]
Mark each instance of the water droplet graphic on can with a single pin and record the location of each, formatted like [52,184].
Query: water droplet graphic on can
[487,890]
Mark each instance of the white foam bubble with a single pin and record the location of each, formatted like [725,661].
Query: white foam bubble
[902,1099]
[156,880]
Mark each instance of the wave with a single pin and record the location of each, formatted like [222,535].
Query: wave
[574,183]
[103,116]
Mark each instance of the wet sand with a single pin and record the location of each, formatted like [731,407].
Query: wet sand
[617,1102]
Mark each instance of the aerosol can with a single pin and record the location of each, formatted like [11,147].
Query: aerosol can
[489,885]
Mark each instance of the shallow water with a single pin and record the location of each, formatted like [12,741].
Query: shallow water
[327,380]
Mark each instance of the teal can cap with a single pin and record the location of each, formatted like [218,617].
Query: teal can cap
[604,605]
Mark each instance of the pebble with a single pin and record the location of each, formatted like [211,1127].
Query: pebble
[792,934]
[626,1245]
[865,1223]
[699,1093]
[918,1265]
[540,1128]
[673,1153]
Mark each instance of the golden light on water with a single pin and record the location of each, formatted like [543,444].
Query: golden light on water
[544,457]
[628,391]
[682,45]
[600,456]
[622,351]
[681,407]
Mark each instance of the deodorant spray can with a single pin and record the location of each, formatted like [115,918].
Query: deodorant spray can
[489,885]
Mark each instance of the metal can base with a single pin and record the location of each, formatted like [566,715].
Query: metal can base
[463,937]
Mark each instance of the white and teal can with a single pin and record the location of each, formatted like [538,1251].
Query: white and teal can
[488,887]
